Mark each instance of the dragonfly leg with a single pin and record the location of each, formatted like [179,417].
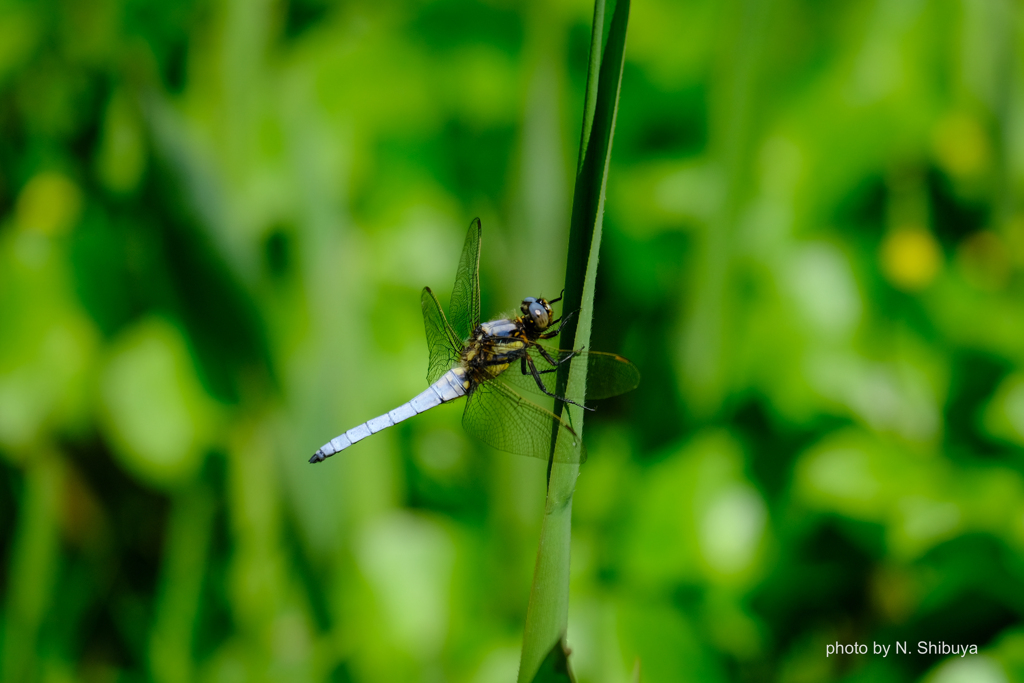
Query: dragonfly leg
[540,383]
[554,333]
[551,360]
[542,372]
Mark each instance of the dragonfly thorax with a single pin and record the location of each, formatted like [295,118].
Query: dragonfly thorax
[493,346]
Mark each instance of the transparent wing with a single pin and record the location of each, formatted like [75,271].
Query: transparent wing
[501,418]
[607,374]
[464,308]
[442,343]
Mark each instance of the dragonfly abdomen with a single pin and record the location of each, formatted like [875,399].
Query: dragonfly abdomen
[452,385]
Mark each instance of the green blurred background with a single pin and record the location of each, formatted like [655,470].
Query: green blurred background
[215,220]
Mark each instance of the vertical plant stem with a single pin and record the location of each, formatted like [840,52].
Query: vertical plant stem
[548,611]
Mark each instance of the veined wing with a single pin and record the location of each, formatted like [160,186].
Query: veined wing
[442,342]
[464,308]
[501,418]
[607,374]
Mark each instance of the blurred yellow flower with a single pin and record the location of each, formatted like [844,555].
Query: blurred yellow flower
[49,203]
[961,146]
[910,258]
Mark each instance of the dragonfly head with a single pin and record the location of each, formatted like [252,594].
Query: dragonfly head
[538,312]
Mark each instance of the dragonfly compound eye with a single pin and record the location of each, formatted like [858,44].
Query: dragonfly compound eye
[539,314]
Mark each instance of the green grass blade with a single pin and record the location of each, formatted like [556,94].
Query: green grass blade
[593,71]
[555,667]
[588,198]
[548,611]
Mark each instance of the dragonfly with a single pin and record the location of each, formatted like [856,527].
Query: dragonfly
[493,364]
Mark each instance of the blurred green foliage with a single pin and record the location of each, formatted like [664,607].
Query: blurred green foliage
[215,219]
